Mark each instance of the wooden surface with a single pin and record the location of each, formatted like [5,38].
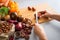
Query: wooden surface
[40,7]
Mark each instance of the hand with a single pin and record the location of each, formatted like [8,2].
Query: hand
[4,2]
[39,31]
[46,14]
[52,15]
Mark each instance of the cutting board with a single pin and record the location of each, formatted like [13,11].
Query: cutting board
[40,7]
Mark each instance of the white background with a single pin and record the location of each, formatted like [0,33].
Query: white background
[52,28]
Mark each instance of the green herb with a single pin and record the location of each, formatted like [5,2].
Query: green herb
[4,11]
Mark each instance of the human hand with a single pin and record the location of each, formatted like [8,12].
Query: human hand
[46,13]
[39,31]
[52,15]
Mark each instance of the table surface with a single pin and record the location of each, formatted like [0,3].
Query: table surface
[52,28]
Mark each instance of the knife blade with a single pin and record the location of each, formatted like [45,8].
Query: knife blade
[36,17]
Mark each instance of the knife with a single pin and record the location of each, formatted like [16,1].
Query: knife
[36,17]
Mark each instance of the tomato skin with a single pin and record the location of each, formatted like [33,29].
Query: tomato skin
[13,6]
[13,10]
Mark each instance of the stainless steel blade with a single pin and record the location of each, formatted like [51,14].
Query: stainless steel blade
[36,17]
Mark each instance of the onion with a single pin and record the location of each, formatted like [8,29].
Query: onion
[18,26]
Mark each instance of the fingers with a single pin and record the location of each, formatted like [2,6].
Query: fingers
[38,27]
[46,14]
[39,31]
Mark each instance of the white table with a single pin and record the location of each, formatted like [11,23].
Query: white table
[52,28]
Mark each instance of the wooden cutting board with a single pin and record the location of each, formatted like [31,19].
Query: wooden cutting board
[40,7]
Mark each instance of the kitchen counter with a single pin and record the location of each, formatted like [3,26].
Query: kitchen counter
[52,28]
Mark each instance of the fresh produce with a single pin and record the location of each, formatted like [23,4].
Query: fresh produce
[7,17]
[10,15]
[23,29]
[27,37]
[12,21]
[4,11]
[2,19]
[5,27]
[20,19]
[18,26]
[1,31]
[11,38]
[25,20]
[13,16]
[13,6]
[20,34]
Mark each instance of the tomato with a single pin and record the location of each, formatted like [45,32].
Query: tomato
[13,10]
[13,6]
